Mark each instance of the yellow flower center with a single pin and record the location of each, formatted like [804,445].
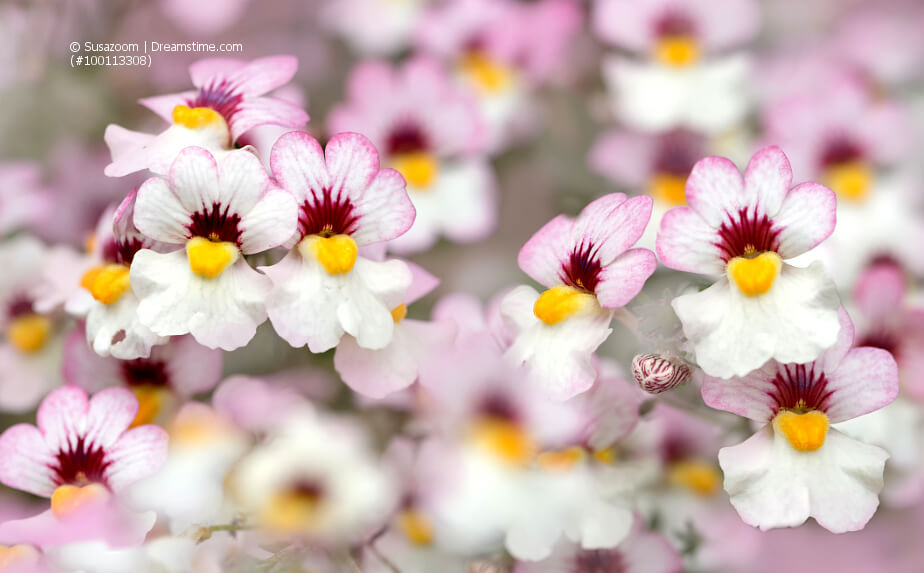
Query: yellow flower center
[29,333]
[607,456]
[419,169]
[209,258]
[677,51]
[561,460]
[851,180]
[755,276]
[292,511]
[14,556]
[336,254]
[805,431]
[700,477]
[415,527]
[489,77]
[670,189]
[69,498]
[196,117]
[504,439]
[398,313]
[561,302]
[151,400]
[107,283]
[197,428]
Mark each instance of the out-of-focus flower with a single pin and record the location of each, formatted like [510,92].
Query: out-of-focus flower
[430,131]
[743,229]
[324,287]
[30,351]
[589,269]
[228,101]
[797,466]
[374,27]
[207,17]
[218,212]
[23,198]
[316,479]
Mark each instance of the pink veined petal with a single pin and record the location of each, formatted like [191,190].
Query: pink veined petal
[26,460]
[297,161]
[422,283]
[137,454]
[352,161]
[160,214]
[163,105]
[542,255]
[612,224]
[111,412]
[747,396]
[766,181]
[62,416]
[243,182]
[385,209]
[865,381]
[203,71]
[880,290]
[687,243]
[714,189]
[194,176]
[271,222]
[807,218]
[254,112]
[263,75]
[623,279]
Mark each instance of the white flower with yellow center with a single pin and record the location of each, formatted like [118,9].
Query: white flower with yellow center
[325,287]
[797,466]
[214,213]
[743,229]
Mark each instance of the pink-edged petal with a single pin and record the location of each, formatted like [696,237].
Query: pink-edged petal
[613,223]
[686,242]
[866,380]
[714,189]
[194,175]
[137,454]
[163,105]
[160,214]
[26,460]
[111,412]
[128,150]
[62,415]
[243,181]
[252,113]
[297,161]
[422,283]
[807,217]
[263,75]
[880,290]
[352,161]
[767,180]
[271,222]
[385,209]
[624,278]
[203,71]
[832,357]
[542,255]
[748,396]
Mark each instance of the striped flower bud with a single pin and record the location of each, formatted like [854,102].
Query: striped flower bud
[657,373]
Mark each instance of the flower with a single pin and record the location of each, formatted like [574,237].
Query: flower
[325,287]
[215,212]
[797,466]
[743,229]
[373,27]
[431,132]
[227,102]
[82,448]
[589,270]
[377,373]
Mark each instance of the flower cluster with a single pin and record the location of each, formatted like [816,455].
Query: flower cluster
[418,336]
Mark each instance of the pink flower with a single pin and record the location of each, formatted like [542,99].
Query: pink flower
[430,131]
[228,101]
[589,269]
[325,286]
[797,466]
[742,229]
[79,443]
[23,198]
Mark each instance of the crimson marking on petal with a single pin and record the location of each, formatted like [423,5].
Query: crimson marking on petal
[327,215]
[406,137]
[145,372]
[839,150]
[220,96]
[498,407]
[799,387]
[81,464]
[599,561]
[747,235]
[122,252]
[674,22]
[677,152]
[582,269]
[216,224]
[19,305]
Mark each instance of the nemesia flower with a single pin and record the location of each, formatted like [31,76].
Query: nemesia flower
[882,41]
[23,199]
[172,373]
[214,213]
[30,349]
[744,228]
[324,287]
[82,449]
[316,479]
[797,466]
[228,101]
[377,373]
[589,270]
[430,131]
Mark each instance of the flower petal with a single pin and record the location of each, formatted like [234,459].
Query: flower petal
[866,380]
[612,224]
[766,180]
[686,242]
[715,189]
[110,413]
[807,218]
[623,279]
[270,223]
[542,255]
[26,460]
[137,454]
[159,212]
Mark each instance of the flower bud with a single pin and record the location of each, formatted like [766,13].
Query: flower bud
[657,373]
